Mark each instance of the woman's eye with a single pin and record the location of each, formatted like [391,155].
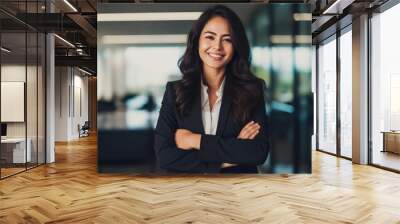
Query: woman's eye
[228,40]
[210,37]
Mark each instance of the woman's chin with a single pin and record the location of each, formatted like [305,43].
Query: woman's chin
[215,65]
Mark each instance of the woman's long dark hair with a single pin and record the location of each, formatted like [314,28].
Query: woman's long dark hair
[245,88]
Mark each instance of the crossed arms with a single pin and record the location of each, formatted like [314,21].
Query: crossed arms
[184,151]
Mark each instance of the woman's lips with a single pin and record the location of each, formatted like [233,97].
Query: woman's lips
[215,56]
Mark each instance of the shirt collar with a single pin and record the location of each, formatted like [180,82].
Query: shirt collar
[204,93]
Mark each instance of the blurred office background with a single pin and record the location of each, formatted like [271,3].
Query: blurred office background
[138,55]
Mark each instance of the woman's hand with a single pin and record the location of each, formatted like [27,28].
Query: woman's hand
[249,131]
[187,140]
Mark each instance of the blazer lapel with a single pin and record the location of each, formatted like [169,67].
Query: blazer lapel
[224,110]
[195,118]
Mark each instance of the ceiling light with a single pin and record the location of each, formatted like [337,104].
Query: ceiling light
[302,16]
[5,50]
[70,5]
[338,6]
[148,16]
[303,39]
[145,39]
[64,40]
[333,6]
[84,71]
[281,39]
[288,39]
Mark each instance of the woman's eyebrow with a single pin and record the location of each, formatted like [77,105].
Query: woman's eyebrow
[213,33]
[210,32]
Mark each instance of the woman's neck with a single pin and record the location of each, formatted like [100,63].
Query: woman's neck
[213,77]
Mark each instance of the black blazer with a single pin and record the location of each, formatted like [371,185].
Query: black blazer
[214,149]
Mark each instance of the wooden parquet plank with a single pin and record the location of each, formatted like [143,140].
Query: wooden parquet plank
[71,191]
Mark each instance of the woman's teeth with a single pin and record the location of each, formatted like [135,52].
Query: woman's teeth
[215,56]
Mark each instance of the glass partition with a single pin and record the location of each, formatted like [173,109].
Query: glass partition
[41,107]
[22,91]
[14,153]
[31,99]
[327,96]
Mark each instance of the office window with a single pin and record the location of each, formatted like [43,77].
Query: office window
[314,91]
[327,96]
[346,94]
[385,89]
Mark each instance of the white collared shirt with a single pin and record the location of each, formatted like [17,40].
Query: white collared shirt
[210,117]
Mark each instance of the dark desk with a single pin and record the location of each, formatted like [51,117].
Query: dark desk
[125,141]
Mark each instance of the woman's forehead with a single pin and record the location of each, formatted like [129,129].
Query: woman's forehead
[217,25]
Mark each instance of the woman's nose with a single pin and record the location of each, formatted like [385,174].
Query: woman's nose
[218,44]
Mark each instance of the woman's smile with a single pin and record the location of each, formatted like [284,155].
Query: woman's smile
[216,56]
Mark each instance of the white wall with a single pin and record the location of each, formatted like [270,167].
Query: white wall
[71,94]
[80,104]
[62,81]
[12,73]
[33,126]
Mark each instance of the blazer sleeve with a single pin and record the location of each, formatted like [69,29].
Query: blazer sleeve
[238,151]
[169,157]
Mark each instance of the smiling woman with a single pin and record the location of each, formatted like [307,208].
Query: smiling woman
[182,88]
[213,119]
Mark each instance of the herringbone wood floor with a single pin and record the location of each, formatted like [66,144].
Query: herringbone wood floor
[71,191]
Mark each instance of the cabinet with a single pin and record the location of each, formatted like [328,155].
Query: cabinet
[391,142]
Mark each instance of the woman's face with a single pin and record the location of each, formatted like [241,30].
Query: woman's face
[215,45]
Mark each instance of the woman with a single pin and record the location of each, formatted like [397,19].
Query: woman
[213,119]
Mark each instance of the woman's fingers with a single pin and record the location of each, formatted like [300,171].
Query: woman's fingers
[252,136]
[248,124]
[244,129]
[243,132]
[252,131]
[249,130]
